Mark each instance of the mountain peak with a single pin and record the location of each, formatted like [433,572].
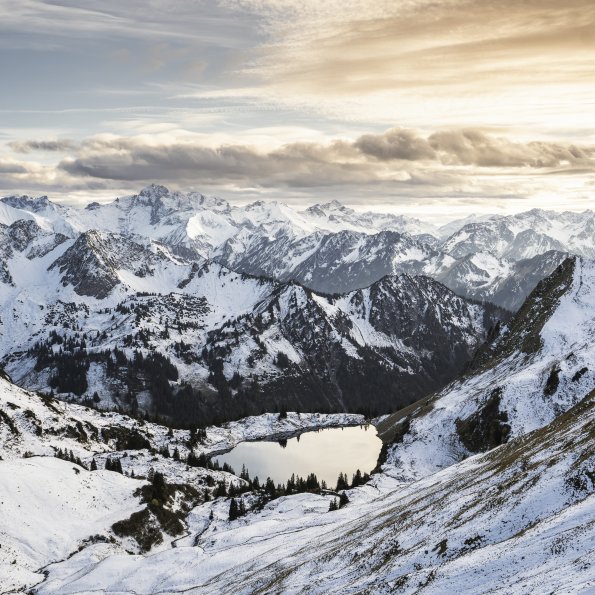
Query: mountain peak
[154,191]
[27,203]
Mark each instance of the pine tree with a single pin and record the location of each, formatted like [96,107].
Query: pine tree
[342,483]
[176,455]
[93,465]
[343,500]
[333,505]
[221,491]
[233,510]
[357,479]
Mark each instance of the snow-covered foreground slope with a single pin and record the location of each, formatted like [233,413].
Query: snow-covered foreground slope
[518,519]
[48,507]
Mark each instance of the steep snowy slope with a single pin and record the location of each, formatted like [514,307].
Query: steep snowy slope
[539,366]
[8,214]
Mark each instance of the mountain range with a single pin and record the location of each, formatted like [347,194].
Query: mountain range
[184,306]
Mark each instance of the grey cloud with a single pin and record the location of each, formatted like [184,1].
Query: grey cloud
[299,165]
[471,147]
[40,145]
[395,144]
[12,168]
[396,156]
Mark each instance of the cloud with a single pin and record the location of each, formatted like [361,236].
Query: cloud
[42,145]
[472,147]
[10,167]
[297,164]
[395,144]
[370,46]
[397,156]
[398,165]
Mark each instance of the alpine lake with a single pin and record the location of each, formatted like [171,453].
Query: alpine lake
[325,452]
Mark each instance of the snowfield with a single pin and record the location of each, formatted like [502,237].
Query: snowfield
[488,524]
[48,507]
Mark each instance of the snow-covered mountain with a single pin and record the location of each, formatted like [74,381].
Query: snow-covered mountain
[535,367]
[133,323]
[485,277]
[199,282]
[329,263]
[526,234]
[487,486]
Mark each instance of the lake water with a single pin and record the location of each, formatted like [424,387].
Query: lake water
[326,453]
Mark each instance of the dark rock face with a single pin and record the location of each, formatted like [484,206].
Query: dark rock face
[486,428]
[428,332]
[88,267]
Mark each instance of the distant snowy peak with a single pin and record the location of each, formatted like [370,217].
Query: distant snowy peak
[9,214]
[453,226]
[28,203]
[333,214]
[98,261]
[327,262]
[526,234]
[329,247]
[23,240]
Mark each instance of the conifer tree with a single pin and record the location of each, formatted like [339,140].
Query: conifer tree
[233,510]
[221,491]
[343,499]
[342,483]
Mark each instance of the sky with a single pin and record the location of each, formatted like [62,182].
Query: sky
[433,108]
